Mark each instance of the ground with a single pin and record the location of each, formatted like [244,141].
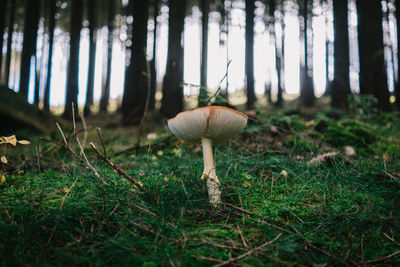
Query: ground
[291,195]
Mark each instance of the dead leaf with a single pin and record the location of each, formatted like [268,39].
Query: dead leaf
[386,156]
[24,142]
[11,140]
[2,179]
[322,157]
[349,151]
[4,159]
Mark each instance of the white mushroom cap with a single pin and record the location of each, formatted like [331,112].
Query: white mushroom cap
[216,123]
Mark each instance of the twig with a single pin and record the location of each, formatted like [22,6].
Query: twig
[86,162]
[241,236]
[101,140]
[67,193]
[84,129]
[146,105]
[116,167]
[231,260]
[380,259]
[114,209]
[38,158]
[143,209]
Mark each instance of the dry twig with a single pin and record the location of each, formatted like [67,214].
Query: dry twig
[381,259]
[231,260]
[116,167]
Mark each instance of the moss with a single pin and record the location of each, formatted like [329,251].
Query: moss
[20,117]
[299,145]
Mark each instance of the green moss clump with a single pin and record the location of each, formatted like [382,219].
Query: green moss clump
[299,145]
[350,132]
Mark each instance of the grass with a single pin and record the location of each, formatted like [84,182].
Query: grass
[342,211]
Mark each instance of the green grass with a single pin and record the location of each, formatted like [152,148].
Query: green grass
[340,211]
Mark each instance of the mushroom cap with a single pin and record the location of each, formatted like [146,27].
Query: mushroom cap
[216,123]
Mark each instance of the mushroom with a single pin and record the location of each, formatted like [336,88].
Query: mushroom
[211,125]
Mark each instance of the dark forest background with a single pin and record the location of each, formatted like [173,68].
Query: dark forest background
[22,21]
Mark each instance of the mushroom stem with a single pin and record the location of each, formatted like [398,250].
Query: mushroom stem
[209,172]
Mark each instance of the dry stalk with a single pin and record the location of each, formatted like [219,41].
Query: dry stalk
[116,167]
[83,159]
[146,106]
[67,193]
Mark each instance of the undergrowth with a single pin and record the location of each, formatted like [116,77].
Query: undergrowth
[341,211]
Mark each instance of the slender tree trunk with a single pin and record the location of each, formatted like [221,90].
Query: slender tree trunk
[205,10]
[152,103]
[373,78]
[278,59]
[397,89]
[172,101]
[249,54]
[38,70]
[341,81]
[105,98]
[52,25]
[306,84]
[3,9]
[73,63]
[29,43]
[11,20]
[136,82]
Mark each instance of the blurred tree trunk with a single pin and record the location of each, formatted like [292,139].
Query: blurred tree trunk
[172,101]
[306,81]
[92,56]
[38,69]
[278,52]
[3,11]
[249,54]
[11,21]
[152,103]
[205,10]
[52,25]
[373,78]
[105,95]
[397,88]
[73,63]
[327,60]
[341,82]
[136,89]
[29,43]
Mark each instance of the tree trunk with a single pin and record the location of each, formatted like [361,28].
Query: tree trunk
[73,63]
[105,96]
[278,53]
[249,54]
[11,20]
[306,83]
[38,71]
[52,25]
[172,101]
[29,43]
[341,82]
[205,10]
[92,56]
[152,103]
[3,10]
[136,82]
[397,89]
[373,78]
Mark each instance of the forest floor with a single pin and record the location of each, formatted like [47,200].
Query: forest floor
[293,193]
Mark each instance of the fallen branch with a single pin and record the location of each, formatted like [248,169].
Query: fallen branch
[384,258]
[231,260]
[116,167]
